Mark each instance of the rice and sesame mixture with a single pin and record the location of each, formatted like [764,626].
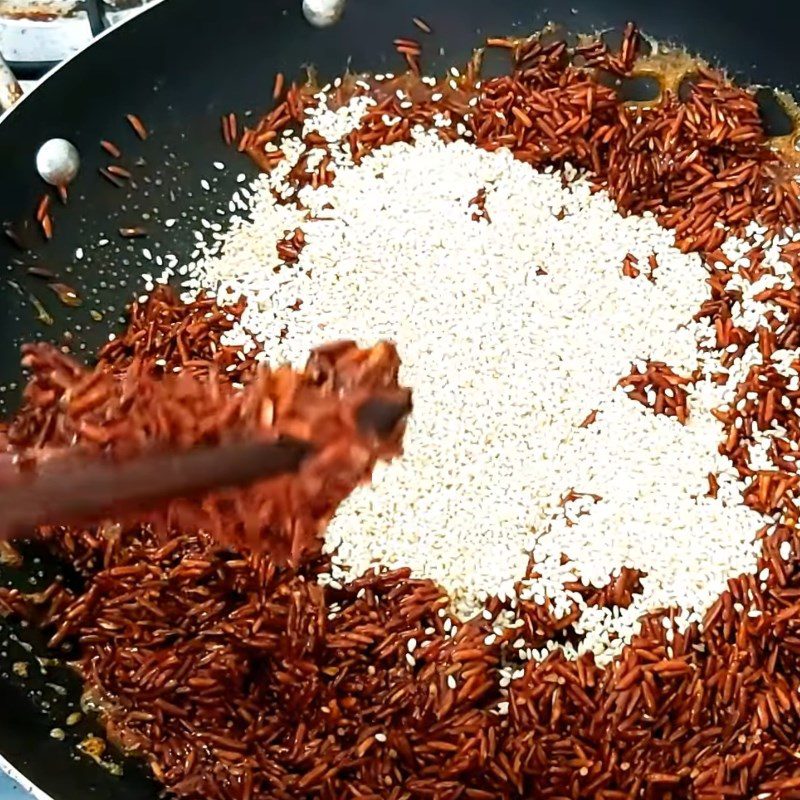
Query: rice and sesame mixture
[512,332]
[582,577]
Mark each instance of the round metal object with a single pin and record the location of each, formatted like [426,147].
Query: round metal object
[57,162]
[323,13]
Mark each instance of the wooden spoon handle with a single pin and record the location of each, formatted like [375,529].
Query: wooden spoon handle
[71,490]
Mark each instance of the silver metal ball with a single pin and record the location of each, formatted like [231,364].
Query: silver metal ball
[58,162]
[322,13]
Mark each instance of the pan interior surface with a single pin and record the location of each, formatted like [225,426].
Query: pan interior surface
[179,67]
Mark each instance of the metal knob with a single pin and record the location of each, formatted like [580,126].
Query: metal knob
[322,13]
[57,162]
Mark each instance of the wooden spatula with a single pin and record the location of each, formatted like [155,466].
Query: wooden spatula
[72,490]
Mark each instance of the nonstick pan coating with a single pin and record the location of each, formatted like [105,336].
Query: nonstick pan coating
[179,67]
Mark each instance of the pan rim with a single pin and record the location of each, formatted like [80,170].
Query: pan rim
[20,779]
[118,26]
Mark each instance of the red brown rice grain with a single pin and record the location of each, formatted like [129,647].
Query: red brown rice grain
[110,148]
[137,125]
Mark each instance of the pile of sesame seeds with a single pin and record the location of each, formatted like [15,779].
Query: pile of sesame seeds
[396,522]
[514,331]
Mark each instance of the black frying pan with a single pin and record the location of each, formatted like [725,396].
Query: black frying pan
[179,67]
